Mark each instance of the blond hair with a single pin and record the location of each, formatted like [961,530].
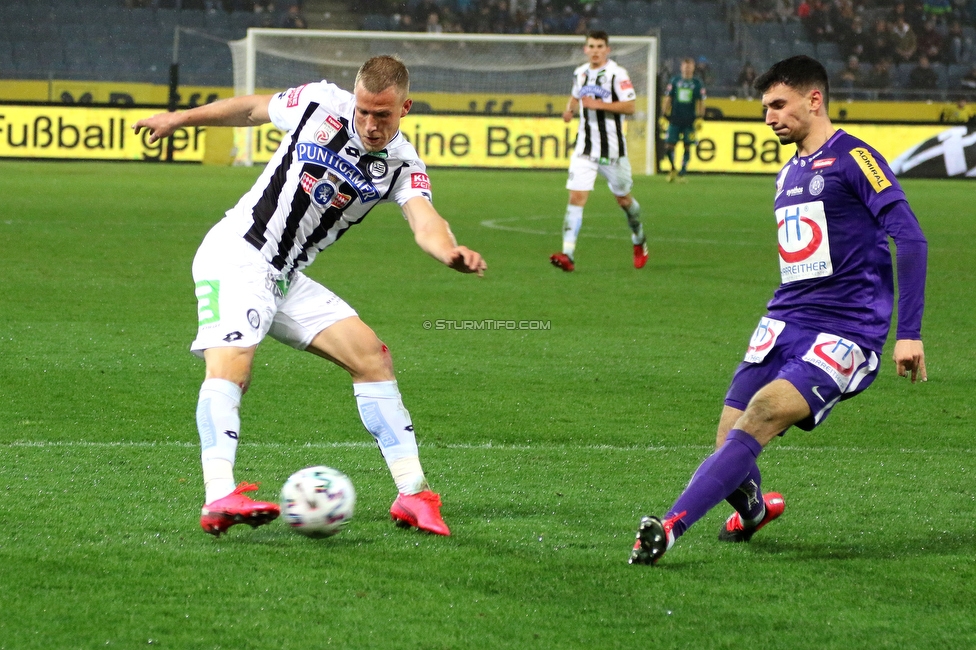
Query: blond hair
[381,72]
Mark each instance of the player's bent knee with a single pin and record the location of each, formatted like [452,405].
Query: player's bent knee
[373,363]
[231,364]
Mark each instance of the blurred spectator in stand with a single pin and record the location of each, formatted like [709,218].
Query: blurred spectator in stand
[434,23]
[747,77]
[572,22]
[501,19]
[923,76]
[852,76]
[450,21]
[293,18]
[853,39]
[958,113]
[405,24]
[422,10]
[264,6]
[904,41]
[803,10]
[959,47]
[817,22]
[913,12]
[784,11]
[879,79]
[703,70]
[879,43]
[930,42]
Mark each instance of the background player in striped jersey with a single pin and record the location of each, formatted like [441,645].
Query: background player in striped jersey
[603,93]
[684,104]
[341,155]
[837,202]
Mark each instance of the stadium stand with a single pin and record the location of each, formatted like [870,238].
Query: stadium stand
[132,40]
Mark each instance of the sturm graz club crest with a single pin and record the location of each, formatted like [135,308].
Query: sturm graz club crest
[951,153]
[376,168]
[253,318]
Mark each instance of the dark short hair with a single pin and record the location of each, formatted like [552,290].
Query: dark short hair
[800,73]
[599,35]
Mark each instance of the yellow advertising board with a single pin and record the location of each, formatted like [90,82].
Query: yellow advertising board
[752,147]
[482,141]
[73,132]
[105,133]
[463,141]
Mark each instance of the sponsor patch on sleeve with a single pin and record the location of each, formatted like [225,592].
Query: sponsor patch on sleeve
[293,96]
[869,166]
[626,85]
[419,181]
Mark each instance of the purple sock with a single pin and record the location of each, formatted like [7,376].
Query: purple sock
[715,479]
[747,499]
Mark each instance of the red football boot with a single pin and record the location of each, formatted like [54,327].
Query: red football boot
[422,510]
[562,261]
[733,530]
[654,538]
[640,255]
[235,508]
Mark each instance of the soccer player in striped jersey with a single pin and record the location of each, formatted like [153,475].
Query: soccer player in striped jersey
[341,155]
[837,203]
[603,94]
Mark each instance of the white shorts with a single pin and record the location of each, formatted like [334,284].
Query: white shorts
[241,298]
[583,171]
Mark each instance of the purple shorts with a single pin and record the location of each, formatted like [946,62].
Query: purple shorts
[825,368]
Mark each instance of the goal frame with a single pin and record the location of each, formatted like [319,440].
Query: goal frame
[653,43]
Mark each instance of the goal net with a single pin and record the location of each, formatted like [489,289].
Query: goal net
[518,76]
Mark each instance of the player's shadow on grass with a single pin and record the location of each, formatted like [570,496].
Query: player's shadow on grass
[897,546]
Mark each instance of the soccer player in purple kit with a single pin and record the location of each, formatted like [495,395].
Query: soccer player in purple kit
[836,204]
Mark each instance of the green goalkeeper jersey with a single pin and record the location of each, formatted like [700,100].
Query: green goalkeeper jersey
[684,94]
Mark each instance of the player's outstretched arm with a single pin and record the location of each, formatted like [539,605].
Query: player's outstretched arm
[572,106]
[624,108]
[251,110]
[433,234]
[910,359]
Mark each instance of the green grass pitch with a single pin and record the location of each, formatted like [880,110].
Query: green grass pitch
[547,444]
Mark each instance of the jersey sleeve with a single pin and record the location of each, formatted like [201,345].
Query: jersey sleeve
[287,107]
[911,256]
[413,182]
[624,86]
[872,179]
[577,87]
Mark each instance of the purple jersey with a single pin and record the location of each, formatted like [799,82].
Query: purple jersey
[835,263]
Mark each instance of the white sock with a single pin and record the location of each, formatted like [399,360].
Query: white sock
[571,227]
[384,416]
[219,425]
[634,222]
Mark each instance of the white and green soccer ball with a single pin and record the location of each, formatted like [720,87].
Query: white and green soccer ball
[318,501]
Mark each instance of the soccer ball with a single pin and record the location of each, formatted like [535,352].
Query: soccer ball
[318,501]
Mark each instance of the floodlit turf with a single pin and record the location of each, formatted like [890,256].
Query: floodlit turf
[547,444]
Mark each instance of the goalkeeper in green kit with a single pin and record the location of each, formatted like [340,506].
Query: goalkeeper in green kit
[684,105]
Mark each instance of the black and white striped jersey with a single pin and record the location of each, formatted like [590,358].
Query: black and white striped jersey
[321,180]
[601,134]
